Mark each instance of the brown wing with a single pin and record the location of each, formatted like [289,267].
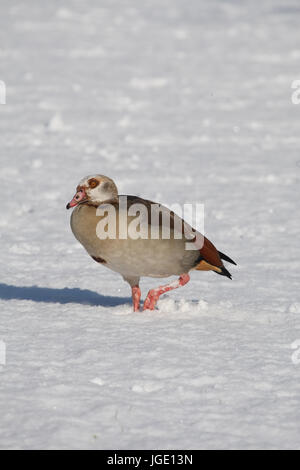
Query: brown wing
[210,258]
[209,255]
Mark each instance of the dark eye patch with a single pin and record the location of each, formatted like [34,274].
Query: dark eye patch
[93,183]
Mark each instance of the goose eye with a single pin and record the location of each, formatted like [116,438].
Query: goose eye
[93,183]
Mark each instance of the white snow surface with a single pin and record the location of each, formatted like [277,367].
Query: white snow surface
[177,101]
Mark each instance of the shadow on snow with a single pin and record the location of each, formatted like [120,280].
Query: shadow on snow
[62,296]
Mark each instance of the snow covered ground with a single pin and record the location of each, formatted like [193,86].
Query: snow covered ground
[177,101]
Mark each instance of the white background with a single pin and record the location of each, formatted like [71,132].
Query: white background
[177,101]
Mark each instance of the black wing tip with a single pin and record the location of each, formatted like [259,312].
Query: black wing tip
[224,272]
[226,258]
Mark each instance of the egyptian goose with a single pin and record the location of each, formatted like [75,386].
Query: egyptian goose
[144,252]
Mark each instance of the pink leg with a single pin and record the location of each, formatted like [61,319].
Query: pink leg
[136,295]
[154,294]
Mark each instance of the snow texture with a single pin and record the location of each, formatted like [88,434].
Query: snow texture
[177,101]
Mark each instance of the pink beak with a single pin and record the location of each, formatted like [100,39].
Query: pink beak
[79,196]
